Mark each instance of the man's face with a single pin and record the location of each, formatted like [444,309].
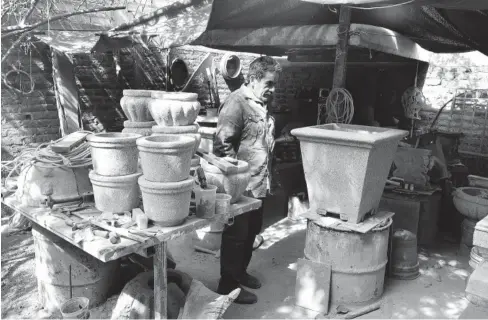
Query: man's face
[264,88]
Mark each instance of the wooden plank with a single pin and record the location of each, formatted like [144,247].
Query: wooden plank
[335,223]
[105,251]
[160,282]
[69,142]
[220,163]
[340,66]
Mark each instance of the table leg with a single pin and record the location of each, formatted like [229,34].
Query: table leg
[160,282]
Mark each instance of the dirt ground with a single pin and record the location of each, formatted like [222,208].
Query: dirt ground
[437,293]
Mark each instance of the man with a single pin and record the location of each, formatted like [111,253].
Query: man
[245,132]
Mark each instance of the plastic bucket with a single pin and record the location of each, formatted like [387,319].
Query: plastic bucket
[76,308]
[205,201]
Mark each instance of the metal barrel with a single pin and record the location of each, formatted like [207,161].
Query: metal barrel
[90,277]
[358,261]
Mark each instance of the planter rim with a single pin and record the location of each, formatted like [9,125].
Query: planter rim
[192,128]
[242,167]
[181,96]
[183,185]
[462,195]
[137,93]
[348,134]
[139,124]
[114,138]
[167,141]
[95,177]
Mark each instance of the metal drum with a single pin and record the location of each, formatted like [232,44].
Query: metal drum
[405,264]
[358,260]
[90,277]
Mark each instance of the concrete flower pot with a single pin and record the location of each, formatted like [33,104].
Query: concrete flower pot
[142,128]
[190,130]
[471,202]
[134,103]
[346,166]
[166,158]
[115,194]
[174,108]
[477,181]
[114,153]
[166,203]
[233,184]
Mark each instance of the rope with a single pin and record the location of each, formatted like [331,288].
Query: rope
[338,108]
[44,156]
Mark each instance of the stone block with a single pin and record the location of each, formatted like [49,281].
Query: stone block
[480,236]
[474,312]
[477,288]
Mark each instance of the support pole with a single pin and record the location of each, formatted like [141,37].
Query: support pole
[160,282]
[340,65]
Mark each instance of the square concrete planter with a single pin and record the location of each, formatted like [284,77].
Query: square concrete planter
[346,166]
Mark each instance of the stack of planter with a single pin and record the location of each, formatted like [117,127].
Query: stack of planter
[166,157]
[115,174]
[175,114]
[135,103]
[346,167]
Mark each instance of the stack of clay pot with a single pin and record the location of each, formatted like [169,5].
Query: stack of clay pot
[135,103]
[175,114]
[114,178]
[166,184]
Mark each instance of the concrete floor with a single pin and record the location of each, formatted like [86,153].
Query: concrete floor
[437,293]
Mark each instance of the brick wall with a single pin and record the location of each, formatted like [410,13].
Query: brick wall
[29,119]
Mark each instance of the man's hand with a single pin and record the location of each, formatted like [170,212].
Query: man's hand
[231,160]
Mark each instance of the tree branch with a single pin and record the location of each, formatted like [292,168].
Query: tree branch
[28,14]
[171,9]
[19,29]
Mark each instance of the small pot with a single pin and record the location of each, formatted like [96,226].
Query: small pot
[233,184]
[174,108]
[471,202]
[190,130]
[114,153]
[166,203]
[142,128]
[134,103]
[115,194]
[166,158]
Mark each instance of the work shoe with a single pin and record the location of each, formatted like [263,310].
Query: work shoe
[250,281]
[244,297]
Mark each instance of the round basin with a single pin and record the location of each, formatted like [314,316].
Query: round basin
[471,202]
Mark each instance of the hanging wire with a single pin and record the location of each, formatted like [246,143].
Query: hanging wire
[338,108]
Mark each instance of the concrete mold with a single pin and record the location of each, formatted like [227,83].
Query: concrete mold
[114,153]
[166,203]
[116,194]
[233,184]
[174,108]
[134,103]
[166,158]
[346,166]
[472,202]
[190,130]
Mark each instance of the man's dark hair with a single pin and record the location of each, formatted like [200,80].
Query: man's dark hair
[261,65]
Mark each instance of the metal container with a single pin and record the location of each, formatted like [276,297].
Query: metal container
[405,264]
[467,231]
[358,260]
[90,277]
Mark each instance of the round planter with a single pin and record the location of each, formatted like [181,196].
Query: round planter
[233,184]
[230,66]
[472,202]
[166,203]
[142,128]
[190,130]
[477,181]
[115,194]
[134,103]
[166,158]
[114,153]
[174,108]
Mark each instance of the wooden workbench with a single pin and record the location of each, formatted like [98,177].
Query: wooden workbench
[104,250]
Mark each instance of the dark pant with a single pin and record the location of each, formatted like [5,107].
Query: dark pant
[237,246]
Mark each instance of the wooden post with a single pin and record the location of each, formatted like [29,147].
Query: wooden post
[340,65]
[160,282]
